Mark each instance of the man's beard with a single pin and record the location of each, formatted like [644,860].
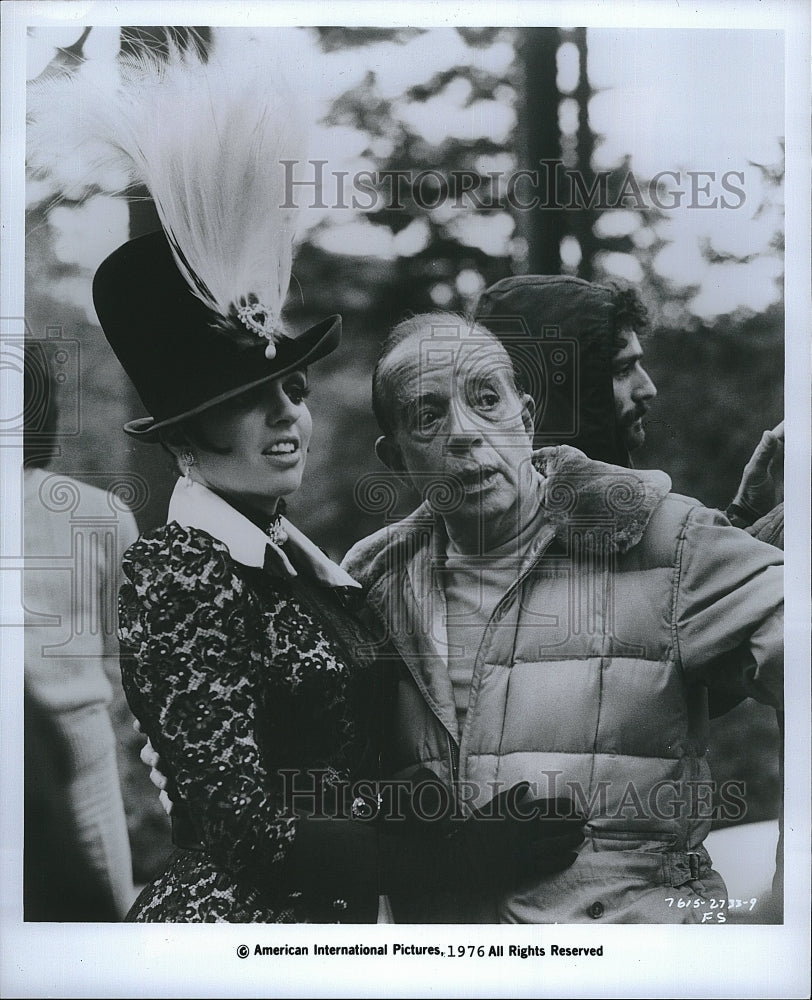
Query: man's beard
[634,434]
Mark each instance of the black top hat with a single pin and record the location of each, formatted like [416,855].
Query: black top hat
[169,343]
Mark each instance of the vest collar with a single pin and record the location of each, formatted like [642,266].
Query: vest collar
[612,505]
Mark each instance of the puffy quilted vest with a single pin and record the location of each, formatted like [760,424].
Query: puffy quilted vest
[591,681]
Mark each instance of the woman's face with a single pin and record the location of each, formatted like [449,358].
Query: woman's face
[263,436]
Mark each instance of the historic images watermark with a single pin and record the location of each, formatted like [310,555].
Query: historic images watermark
[322,794]
[309,184]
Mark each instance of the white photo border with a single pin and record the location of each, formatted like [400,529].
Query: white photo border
[62,960]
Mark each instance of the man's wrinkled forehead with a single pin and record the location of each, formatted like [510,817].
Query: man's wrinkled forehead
[445,357]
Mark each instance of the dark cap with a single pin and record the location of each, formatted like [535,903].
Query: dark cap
[557,330]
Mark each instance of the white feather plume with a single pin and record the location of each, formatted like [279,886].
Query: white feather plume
[207,139]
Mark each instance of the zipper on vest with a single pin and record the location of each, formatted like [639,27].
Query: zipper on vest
[454,759]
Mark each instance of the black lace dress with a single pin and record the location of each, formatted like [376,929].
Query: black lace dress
[239,677]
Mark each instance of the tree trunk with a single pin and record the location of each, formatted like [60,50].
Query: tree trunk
[540,141]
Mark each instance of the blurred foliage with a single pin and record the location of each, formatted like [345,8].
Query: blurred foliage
[720,385]
[337,37]
[718,388]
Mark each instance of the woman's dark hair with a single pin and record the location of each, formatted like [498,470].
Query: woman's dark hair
[187,434]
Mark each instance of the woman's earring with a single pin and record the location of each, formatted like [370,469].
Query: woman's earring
[187,461]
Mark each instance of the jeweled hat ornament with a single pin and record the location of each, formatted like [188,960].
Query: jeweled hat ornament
[194,311]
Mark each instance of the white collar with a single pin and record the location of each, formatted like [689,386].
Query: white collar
[193,505]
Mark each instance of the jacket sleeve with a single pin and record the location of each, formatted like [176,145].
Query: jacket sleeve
[728,608]
[189,626]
